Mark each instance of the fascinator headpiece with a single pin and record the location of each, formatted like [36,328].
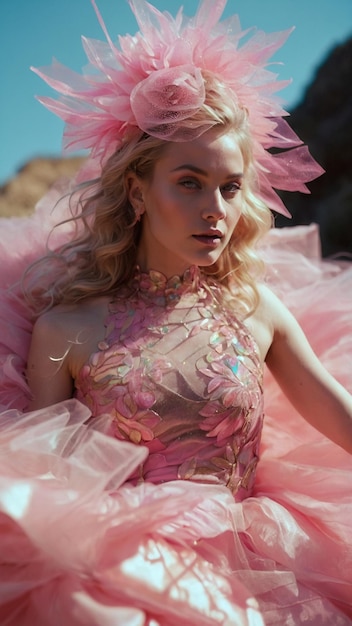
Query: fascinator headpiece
[153,82]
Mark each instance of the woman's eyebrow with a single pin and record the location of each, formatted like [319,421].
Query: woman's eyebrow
[198,170]
[193,168]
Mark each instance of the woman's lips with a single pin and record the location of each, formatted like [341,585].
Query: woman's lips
[210,239]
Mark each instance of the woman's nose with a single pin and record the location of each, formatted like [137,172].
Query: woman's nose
[213,206]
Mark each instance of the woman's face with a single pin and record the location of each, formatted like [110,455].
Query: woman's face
[192,203]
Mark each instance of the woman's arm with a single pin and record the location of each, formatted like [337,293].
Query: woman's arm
[63,340]
[316,395]
[48,372]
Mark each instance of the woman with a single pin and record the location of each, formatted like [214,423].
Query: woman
[153,327]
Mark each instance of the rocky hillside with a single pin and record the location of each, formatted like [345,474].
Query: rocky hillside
[21,193]
[323,120]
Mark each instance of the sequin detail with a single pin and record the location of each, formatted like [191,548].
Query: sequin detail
[179,373]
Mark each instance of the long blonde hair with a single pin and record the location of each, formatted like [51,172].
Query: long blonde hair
[103,255]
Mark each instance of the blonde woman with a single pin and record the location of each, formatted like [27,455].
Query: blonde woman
[132,493]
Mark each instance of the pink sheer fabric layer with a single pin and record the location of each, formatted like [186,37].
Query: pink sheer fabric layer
[154,82]
[80,545]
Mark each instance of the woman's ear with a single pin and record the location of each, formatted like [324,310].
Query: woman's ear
[135,193]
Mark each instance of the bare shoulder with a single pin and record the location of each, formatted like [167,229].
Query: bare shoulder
[264,321]
[67,321]
[63,339]
[270,306]
[64,316]
[72,331]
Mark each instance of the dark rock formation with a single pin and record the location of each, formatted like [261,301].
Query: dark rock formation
[324,121]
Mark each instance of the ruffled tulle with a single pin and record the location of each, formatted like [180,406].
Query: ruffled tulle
[79,545]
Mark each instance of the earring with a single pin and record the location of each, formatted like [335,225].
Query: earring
[138,211]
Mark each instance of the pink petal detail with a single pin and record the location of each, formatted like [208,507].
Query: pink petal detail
[153,82]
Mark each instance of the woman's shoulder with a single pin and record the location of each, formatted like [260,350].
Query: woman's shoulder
[274,312]
[269,304]
[64,315]
[272,323]
[74,330]
[262,322]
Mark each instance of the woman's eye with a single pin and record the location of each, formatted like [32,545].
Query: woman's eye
[189,184]
[231,188]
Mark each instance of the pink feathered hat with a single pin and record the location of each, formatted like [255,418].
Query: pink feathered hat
[153,82]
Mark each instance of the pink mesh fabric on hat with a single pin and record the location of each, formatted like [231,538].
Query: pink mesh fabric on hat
[167,97]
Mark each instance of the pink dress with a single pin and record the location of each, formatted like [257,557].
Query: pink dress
[155,511]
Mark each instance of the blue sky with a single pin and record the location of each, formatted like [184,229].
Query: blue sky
[34,31]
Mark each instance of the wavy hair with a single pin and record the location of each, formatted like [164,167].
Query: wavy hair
[103,253]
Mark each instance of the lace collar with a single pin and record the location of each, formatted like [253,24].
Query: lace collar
[154,285]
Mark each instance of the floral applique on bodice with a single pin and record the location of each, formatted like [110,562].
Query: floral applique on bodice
[180,374]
